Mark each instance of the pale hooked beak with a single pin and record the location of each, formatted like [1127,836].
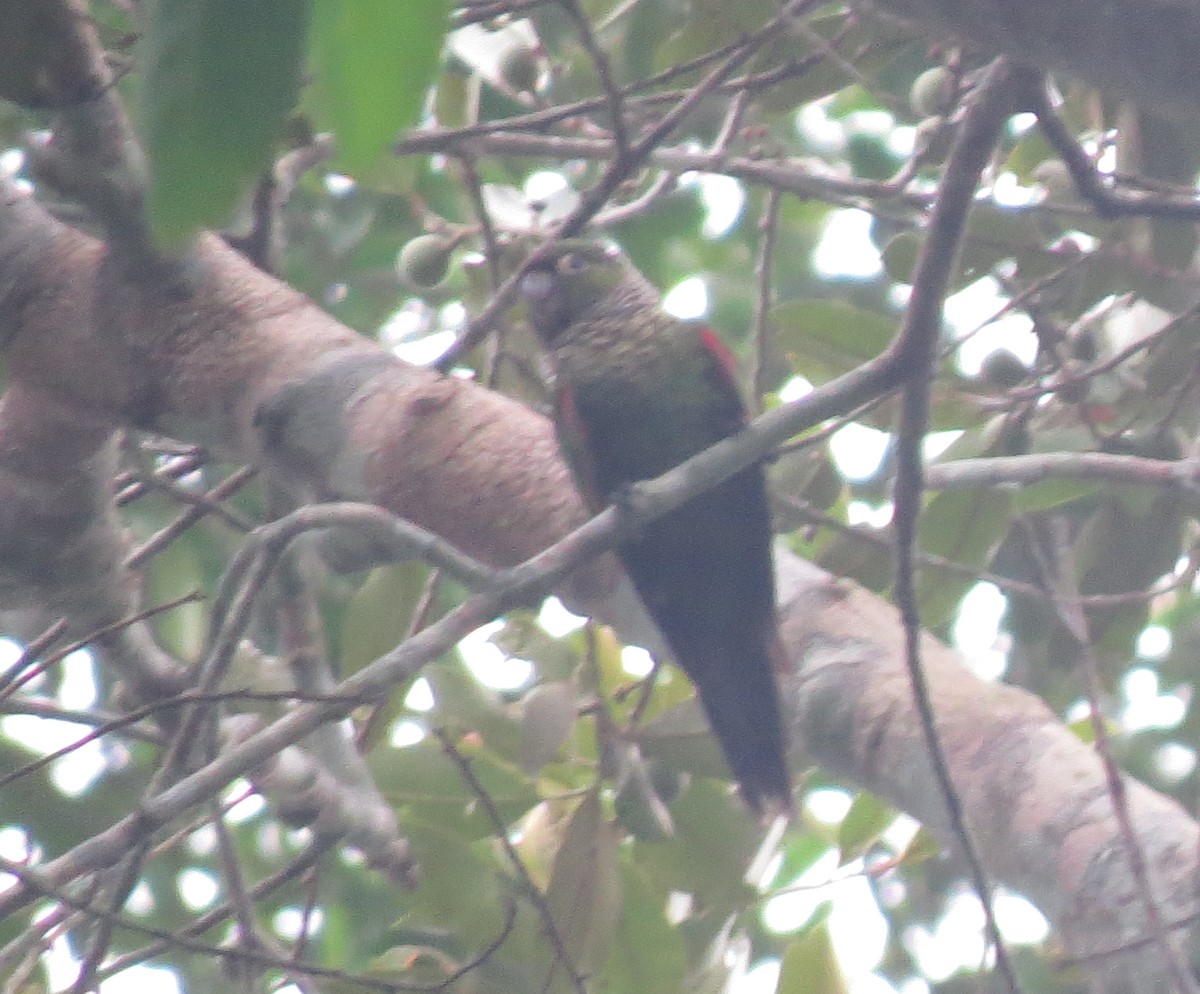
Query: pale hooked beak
[537,285]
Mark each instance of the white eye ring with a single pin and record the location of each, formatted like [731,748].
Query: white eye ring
[572,262]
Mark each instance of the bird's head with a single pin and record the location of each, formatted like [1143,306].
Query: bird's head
[574,279]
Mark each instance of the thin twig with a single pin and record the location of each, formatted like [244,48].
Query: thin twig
[769,227]
[1058,574]
[500,834]
[918,338]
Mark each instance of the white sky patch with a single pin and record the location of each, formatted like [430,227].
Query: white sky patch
[12,160]
[822,131]
[1018,920]
[858,930]
[878,123]
[290,922]
[723,199]
[14,844]
[483,49]
[963,309]
[544,184]
[489,665]
[636,661]
[1012,331]
[1174,761]
[140,900]
[1018,124]
[419,696]
[61,965]
[937,442]
[788,911]
[74,772]
[423,351]
[414,317]
[845,250]
[828,806]
[859,512]
[687,299]
[794,389]
[976,630]
[858,450]
[339,184]
[203,841]
[556,621]
[762,978]
[900,833]
[10,653]
[1007,191]
[15,847]
[954,943]
[1154,642]
[198,889]
[142,979]
[78,690]
[901,140]
[1145,707]
[453,315]
[870,983]
[405,733]
[248,807]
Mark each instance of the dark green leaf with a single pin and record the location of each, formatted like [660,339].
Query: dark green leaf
[965,527]
[221,76]
[647,953]
[585,886]
[374,63]
[825,338]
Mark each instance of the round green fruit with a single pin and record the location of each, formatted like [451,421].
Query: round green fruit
[932,93]
[424,261]
[1003,369]
[520,69]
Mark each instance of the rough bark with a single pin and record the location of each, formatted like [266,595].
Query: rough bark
[255,370]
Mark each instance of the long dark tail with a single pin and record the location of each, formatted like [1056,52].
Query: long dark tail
[742,704]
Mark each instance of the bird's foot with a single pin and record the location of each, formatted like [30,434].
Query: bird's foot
[627,499]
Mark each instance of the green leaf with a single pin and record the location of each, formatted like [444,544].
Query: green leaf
[810,965]
[825,338]
[456,882]
[647,954]
[422,776]
[379,614]
[966,527]
[220,77]
[992,235]
[585,888]
[716,837]
[373,64]
[1052,493]
[864,823]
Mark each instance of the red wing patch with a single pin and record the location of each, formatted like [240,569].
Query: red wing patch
[726,365]
[573,440]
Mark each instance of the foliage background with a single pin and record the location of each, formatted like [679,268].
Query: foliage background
[543,860]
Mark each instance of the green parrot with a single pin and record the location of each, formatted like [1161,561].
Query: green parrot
[637,393]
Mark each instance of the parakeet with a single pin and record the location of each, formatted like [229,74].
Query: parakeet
[638,392]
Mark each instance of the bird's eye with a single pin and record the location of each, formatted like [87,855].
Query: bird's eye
[572,262]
